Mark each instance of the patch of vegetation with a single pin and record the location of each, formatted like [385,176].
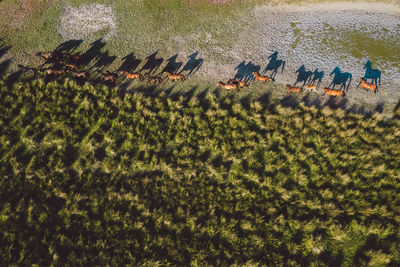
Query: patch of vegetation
[94,175]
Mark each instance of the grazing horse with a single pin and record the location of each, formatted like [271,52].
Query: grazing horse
[341,78]
[240,83]
[367,86]
[172,76]
[332,92]
[132,76]
[371,73]
[293,89]
[228,86]
[274,64]
[262,77]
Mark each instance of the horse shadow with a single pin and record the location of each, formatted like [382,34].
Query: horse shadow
[93,53]
[104,60]
[303,75]
[341,78]
[172,65]
[244,71]
[317,77]
[6,63]
[130,63]
[68,46]
[193,64]
[152,63]
[373,74]
[274,64]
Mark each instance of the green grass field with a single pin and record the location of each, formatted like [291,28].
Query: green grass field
[92,175]
[180,174]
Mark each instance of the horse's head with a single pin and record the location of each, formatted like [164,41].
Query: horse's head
[367,65]
[335,71]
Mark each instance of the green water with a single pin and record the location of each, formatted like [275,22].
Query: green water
[360,45]
[383,52]
[297,35]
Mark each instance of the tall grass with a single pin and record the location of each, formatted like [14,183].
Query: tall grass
[91,175]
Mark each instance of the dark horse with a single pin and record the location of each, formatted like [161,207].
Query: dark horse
[341,78]
[193,64]
[245,71]
[303,75]
[317,76]
[371,73]
[274,64]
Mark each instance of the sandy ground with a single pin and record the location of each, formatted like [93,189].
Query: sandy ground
[313,36]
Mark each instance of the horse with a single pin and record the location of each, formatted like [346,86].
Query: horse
[317,76]
[367,86]
[332,92]
[274,64]
[293,89]
[154,79]
[262,77]
[53,71]
[228,86]
[79,74]
[341,78]
[109,76]
[172,76]
[303,75]
[371,73]
[132,76]
[310,88]
[240,83]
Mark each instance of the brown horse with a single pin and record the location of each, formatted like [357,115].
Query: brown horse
[132,76]
[172,76]
[293,89]
[310,88]
[80,74]
[46,55]
[154,79]
[240,83]
[53,71]
[332,92]
[228,86]
[109,76]
[70,65]
[72,57]
[367,86]
[262,77]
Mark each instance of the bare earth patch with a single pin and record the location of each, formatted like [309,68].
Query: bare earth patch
[312,37]
[24,11]
[86,20]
